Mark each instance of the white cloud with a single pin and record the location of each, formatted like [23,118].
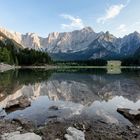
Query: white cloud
[129,28]
[75,22]
[136,24]
[122,28]
[111,13]
[134,27]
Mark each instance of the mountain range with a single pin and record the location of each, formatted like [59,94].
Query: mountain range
[81,44]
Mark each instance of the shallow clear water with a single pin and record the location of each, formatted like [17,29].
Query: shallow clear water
[94,94]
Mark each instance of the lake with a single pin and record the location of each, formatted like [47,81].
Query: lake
[92,94]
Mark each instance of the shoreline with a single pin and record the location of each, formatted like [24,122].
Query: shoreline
[6,67]
[57,129]
[76,67]
[39,67]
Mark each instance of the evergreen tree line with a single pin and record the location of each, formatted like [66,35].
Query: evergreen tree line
[94,62]
[131,61]
[33,57]
[13,56]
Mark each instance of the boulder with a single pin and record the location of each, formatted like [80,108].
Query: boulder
[18,136]
[2,113]
[53,108]
[74,134]
[129,113]
[132,115]
[21,102]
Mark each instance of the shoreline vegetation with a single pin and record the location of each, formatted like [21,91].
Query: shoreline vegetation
[13,54]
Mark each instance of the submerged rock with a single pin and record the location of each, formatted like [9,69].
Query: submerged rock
[53,108]
[74,134]
[18,136]
[132,115]
[129,113]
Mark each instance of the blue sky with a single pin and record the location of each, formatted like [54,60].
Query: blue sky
[119,17]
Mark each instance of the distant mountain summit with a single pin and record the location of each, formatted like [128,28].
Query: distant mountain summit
[80,44]
[9,41]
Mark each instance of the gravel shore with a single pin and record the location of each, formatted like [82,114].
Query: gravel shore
[5,67]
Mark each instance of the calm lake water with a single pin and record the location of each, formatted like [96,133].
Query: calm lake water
[94,94]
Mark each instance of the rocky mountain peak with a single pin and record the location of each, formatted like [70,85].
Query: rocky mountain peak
[52,36]
[11,34]
[106,37]
[88,29]
[136,33]
[78,42]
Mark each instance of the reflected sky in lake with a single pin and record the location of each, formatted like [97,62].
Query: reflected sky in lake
[91,94]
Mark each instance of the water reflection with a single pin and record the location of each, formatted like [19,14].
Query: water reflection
[112,70]
[93,94]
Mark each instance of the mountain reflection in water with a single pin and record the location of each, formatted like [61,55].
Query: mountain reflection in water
[93,94]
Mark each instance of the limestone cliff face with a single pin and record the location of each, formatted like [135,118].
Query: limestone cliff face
[80,44]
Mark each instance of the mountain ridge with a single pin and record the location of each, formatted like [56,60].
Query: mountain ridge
[79,44]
